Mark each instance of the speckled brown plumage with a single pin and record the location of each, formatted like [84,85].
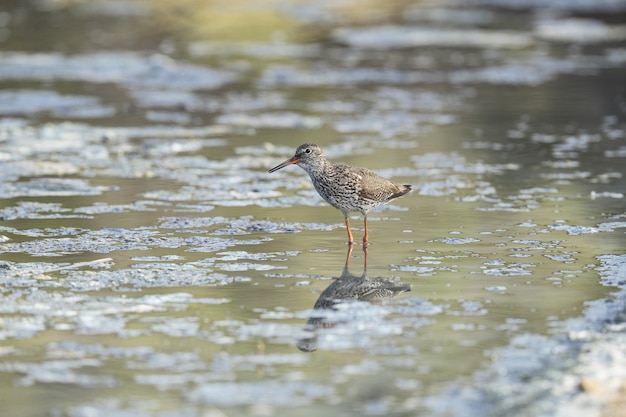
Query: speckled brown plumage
[347,188]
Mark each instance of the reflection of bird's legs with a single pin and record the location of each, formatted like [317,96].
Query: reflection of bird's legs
[365,251]
[350,238]
[365,236]
[350,247]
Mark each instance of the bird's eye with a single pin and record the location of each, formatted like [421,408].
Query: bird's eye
[308,150]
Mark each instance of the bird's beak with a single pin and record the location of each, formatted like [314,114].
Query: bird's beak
[290,161]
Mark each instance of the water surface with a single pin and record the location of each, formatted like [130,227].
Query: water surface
[151,266]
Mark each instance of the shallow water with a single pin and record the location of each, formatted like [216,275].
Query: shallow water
[149,264]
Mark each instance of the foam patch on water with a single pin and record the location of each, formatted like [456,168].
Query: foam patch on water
[513,73]
[562,5]
[591,356]
[100,208]
[32,210]
[267,120]
[451,174]
[101,315]
[287,76]
[504,269]
[228,361]
[389,124]
[88,144]
[245,225]
[113,8]
[14,167]
[418,270]
[459,16]
[574,229]
[611,226]
[580,31]
[130,69]
[266,392]
[261,50]
[58,372]
[29,102]
[457,240]
[354,325]
[384,37]
[52,187]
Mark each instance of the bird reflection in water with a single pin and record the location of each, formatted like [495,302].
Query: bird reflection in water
[347,288]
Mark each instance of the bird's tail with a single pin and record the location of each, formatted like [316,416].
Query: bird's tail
[403,189]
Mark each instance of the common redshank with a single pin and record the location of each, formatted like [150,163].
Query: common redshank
[345,187]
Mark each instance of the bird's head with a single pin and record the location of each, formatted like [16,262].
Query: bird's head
[307,156]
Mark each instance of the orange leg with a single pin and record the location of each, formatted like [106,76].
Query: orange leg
[345,267]
[350,238]
[366,235]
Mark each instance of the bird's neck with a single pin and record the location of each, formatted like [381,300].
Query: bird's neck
[318,168]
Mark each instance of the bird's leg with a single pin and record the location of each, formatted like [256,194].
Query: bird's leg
[348,256]
[350,238]
[365,236]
